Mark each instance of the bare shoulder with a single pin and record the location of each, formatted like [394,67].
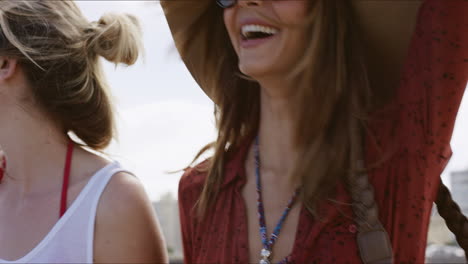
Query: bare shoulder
[126,229]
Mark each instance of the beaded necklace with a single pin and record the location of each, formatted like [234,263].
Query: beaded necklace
[266,251]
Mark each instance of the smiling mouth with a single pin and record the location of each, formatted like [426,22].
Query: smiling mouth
[252,31]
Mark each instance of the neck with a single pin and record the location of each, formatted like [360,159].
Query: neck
[35,148]
[276,134]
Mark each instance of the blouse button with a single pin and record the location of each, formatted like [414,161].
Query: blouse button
[352,228]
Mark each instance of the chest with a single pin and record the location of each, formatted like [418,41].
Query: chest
[26,221]
[23,224]
[229,235]
[274,204]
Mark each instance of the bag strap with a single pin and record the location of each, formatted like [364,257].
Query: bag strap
[373,241]
[372,238]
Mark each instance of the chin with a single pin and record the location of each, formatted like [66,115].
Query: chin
[255,71]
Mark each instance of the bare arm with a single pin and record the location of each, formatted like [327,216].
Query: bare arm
[127,230]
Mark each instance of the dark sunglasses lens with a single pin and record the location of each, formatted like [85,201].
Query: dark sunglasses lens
[226,3]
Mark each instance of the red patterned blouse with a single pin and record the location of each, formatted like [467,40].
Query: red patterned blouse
[420,119]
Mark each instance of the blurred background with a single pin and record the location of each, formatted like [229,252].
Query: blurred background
[164,118]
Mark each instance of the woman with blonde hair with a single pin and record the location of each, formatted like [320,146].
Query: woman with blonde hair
[334,120]
[60,203]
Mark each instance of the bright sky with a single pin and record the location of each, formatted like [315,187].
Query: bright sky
[164,118]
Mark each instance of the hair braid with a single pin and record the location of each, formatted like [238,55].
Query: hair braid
[454,218]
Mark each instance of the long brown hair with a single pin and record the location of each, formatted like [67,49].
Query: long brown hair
[331,87]
[59,50]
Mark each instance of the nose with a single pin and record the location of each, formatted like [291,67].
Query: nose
[245,3]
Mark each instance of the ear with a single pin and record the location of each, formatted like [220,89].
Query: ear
[7,68]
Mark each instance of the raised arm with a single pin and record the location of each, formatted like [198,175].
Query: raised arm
[436,73]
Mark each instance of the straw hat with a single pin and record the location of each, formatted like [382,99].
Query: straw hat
[386,25]
[190,23]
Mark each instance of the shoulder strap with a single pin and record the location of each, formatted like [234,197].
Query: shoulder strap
[66,178]
[372,238]
[373,241]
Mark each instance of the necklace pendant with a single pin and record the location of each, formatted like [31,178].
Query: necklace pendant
[265,254]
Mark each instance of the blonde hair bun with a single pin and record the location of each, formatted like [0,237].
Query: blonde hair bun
[117,38]
[58,50]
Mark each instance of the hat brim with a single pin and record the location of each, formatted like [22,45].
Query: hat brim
[386,28]
[182,16]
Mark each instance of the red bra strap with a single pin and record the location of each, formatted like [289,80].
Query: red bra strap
[66,178]
[3,167]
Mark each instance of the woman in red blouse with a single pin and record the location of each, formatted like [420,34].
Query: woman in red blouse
[326,110]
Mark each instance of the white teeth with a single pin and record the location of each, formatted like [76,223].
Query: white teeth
[246,29]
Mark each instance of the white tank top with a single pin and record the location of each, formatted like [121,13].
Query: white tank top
[71,238]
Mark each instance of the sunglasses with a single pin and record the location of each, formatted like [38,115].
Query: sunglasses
[226,3]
